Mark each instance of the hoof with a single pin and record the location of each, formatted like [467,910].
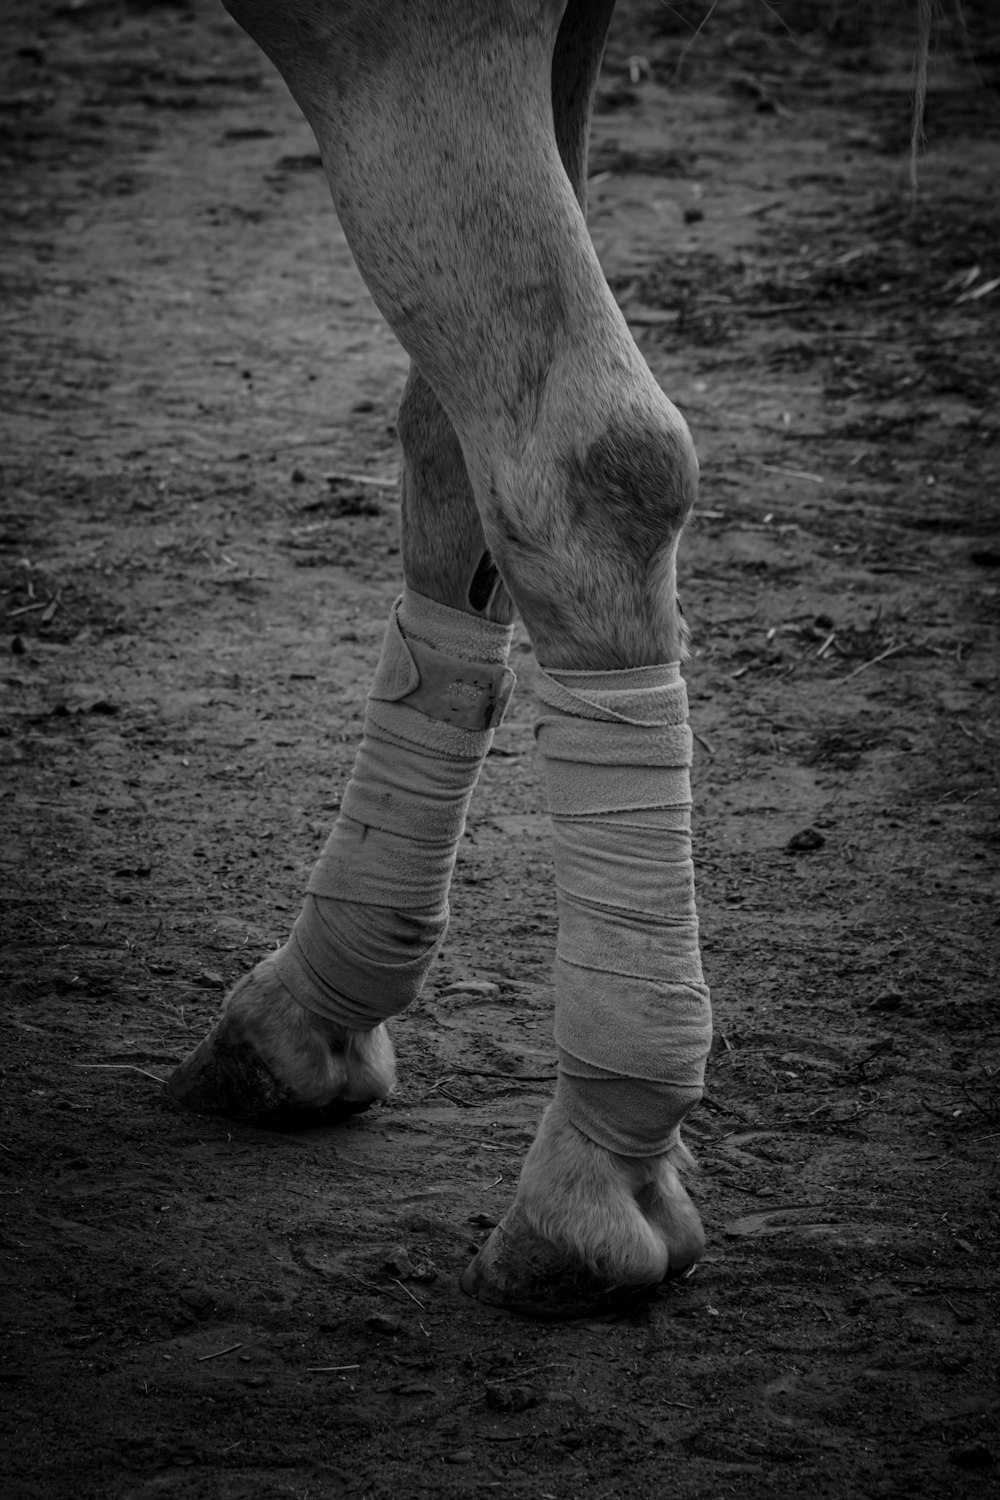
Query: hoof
[519,1270]
[224,1075]
[270,1062]
[590,1232]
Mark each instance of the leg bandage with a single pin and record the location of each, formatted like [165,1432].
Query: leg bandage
[633,1019]
[377,905]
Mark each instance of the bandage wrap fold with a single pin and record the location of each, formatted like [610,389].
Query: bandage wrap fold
[633,1018]
[376,911]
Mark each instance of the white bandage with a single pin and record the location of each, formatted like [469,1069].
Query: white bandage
[377,905]
[633,1018]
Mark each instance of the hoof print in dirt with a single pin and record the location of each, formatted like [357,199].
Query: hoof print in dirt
[229,1078]
[521,1272]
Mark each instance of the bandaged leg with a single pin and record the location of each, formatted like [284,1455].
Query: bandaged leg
[303,1031]
[633,1021]
[600,1205]
[377,905]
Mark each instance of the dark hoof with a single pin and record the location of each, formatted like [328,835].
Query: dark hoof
[228,1077]
[519,1270]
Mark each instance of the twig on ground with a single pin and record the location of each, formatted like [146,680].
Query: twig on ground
[941,1114]
[775,309]
[123,1068]
[889,651]
[27,609]
[507,1077]
[457,1099]
[411,1295]
[885,1045]
[734,1187]
[989,1113]
[724,1109]
[371,1286]
[376,481]
[439,1088]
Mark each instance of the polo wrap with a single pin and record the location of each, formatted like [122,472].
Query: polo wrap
[376,909]
[633,1017]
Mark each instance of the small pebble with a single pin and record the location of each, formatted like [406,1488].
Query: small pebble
[379,1323]
[399,1263]
[972,1456]
[805,841]
[208,979]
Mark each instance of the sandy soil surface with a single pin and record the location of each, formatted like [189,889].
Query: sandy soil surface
[200,546]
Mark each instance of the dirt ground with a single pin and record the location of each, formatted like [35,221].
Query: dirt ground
[200,546]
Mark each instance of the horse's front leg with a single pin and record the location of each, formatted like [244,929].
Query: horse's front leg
[304,1033]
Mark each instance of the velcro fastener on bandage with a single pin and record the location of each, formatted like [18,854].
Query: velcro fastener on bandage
[633,1019]
[468,694]
[457,693]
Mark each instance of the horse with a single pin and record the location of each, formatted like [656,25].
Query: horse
[544,472]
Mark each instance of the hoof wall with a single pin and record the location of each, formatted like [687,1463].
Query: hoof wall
[228,1077]
[519,1270]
